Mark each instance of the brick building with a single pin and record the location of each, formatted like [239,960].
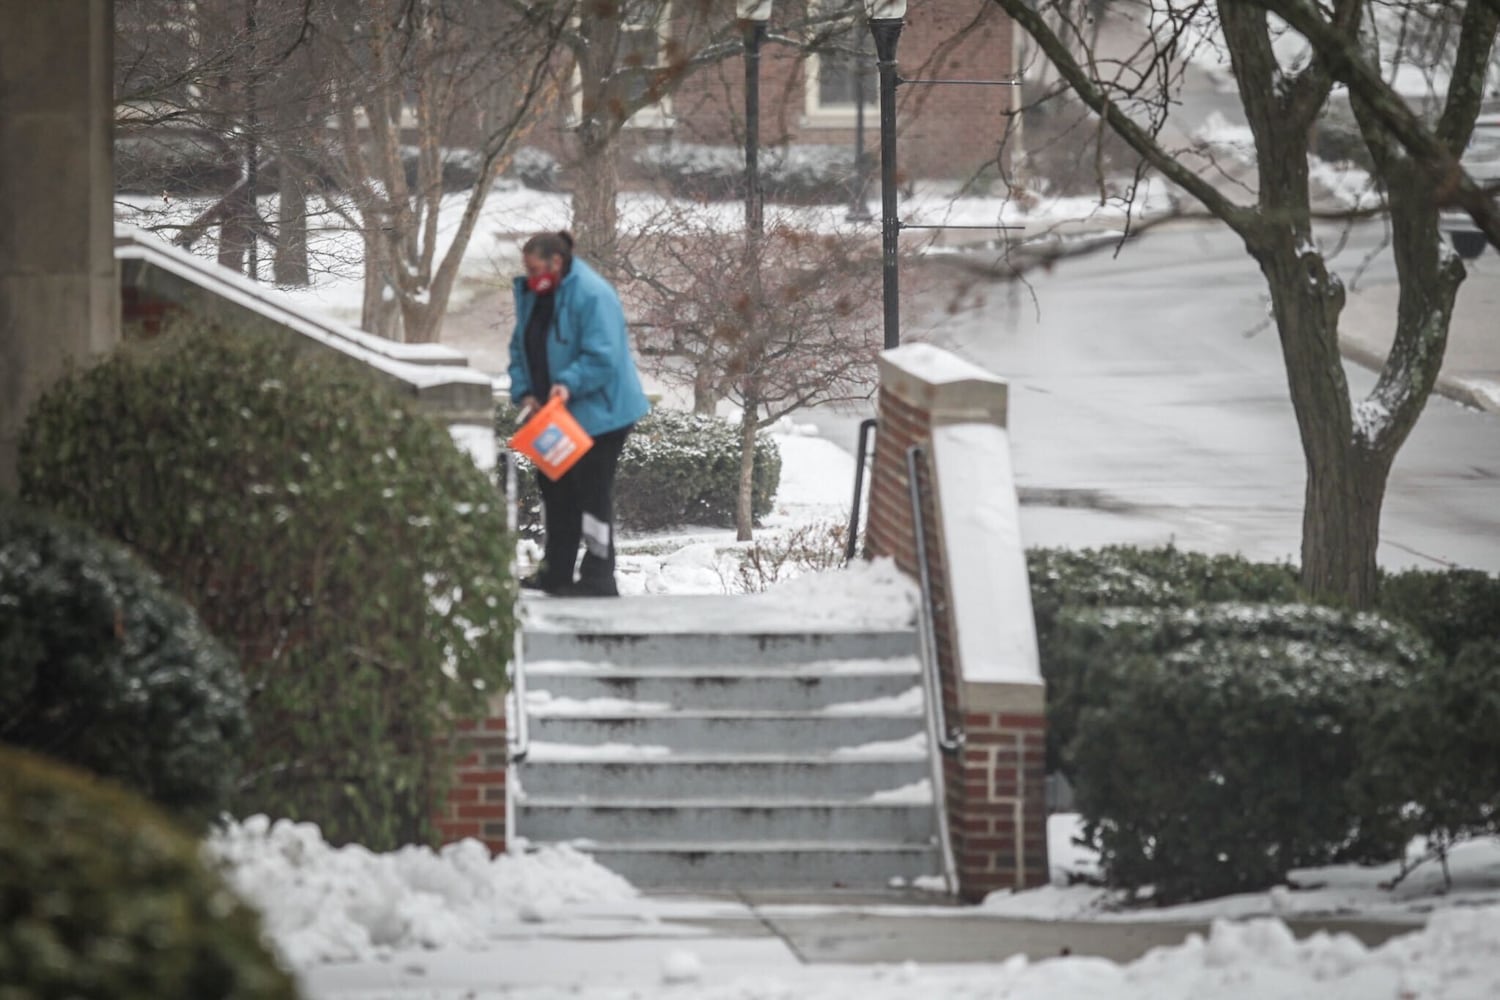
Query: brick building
[808,97]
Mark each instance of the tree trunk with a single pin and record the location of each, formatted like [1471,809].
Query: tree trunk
[1341,525]
[290,266]
[705,398]
[744,505]
[236,234]
[595,183]
[381,314]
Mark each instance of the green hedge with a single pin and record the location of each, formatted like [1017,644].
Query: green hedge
[341,545]
[1124,576]
[1219,762]
[1089,644]
[1451,607]
[1435,746]
[101,666]
[102,899]
[676,468]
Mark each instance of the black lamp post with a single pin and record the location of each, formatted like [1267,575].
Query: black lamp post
[858,210]
[885,25]
[753,15]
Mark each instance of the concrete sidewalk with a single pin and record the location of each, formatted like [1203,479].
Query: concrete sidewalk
[727,936]
[1471,365]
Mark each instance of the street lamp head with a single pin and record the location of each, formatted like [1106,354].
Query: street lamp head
[753,10]
[885,10]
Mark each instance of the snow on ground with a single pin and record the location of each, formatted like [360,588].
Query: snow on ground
[457,923]
[327,904]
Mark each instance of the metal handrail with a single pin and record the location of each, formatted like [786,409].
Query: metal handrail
[949,740]
[946,740]
[517,738]
[860,460]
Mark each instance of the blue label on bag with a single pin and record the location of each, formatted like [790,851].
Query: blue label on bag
[553,446]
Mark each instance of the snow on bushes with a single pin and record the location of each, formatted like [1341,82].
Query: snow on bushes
[103,667]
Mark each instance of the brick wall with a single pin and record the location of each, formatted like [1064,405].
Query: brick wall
[476,801]
[944,131]
[994,786]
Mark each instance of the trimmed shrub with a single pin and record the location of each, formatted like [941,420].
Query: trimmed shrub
[1124,576]
[1088,646]
[103,899]
[676,468]
[799,174]
[101,666]
[343,546]
[535,168]
[1435,747]
[1165,577]
[1213,762]
[1451,607]
[174,161]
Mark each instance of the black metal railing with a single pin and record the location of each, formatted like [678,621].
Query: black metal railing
[861,461]
[949,740]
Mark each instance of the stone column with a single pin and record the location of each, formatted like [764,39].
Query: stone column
[59,298]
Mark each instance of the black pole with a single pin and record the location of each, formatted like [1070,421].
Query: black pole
[887,31]
[755,33]
[858,210]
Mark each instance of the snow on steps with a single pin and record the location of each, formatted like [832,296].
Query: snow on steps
[700,742]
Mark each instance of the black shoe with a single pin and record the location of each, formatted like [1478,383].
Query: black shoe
[538,582]
[585,589]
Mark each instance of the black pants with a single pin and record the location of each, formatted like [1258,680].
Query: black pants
[580,507]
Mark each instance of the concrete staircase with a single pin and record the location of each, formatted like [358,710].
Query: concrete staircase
[701,742]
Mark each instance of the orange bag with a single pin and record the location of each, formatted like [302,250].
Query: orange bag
[552,439]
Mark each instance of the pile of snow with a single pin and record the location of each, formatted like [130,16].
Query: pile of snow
[871,594]
[1456,956]
[321,903]
[1373,892]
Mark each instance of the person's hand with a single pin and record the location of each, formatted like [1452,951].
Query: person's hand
[528,407]
[560,391]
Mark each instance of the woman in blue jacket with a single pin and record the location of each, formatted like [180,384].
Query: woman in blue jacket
[570,341]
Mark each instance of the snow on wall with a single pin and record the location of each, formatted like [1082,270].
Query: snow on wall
[937,366]
[990,594]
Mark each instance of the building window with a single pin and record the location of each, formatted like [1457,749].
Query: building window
[841,72]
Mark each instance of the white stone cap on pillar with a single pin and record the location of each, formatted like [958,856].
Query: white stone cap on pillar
[988,587]
[950,388]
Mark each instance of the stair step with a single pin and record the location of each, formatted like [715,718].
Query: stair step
[803,692]
[903,665]
[690,650]
[648,822]
[768,865]
[725,733]
[705,777]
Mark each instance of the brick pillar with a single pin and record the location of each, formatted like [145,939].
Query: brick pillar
[994,786]
[476,800]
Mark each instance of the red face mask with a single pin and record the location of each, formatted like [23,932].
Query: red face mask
[543,283]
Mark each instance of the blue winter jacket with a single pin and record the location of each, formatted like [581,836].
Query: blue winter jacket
[588,351]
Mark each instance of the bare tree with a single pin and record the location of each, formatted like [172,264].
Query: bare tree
[773,325]
[1349,445]
[405,78]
